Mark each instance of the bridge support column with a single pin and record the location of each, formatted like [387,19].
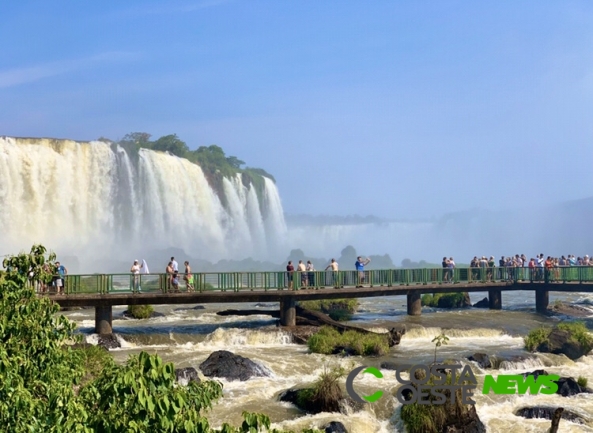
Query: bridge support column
[495,299]
[542,299]
[288,312]
[414,304]
[103,319]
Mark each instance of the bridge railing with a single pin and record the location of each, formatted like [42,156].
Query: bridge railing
[237,281]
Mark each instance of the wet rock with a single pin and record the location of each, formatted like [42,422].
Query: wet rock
[387,365]
[481,359]
[547,412]
[186,375]
[301,334]
[127,315]
[467,422]
[484,303]
[395,335]
[223,363]
[559,342]
[567,387]
[536,373]
[334,427]
[108,341]
[333,401]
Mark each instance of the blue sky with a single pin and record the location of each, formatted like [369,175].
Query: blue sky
[391,108]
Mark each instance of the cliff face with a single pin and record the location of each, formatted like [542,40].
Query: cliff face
[81,196]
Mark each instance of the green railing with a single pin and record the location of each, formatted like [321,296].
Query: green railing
[238,281]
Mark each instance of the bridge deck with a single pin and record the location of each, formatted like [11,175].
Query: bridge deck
[278,295]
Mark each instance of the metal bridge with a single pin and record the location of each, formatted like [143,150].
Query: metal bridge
[103,291]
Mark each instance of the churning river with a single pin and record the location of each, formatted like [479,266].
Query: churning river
[187,335]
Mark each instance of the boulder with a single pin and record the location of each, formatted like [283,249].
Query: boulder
[547,412]
[395,335]
[186,375]
[467,422]
[127,315]
[387,365]
[108,341]
[334,427]
[567,387]
[484,303]
[560,343]
[225,364]
[481,359]
[334,402]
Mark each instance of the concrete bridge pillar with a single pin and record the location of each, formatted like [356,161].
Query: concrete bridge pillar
[414,304]
[542,299]
[495,299]
[103,319]
[288,312]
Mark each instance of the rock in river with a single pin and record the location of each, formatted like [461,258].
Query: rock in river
[223,363]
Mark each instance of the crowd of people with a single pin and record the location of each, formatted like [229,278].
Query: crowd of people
[539,268]
[307,272]
[171,276]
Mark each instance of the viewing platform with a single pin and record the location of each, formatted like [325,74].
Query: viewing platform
[103,291]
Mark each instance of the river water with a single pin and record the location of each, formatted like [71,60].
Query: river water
[186,335]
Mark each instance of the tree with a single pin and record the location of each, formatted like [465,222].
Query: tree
[172,144]
[141,139]
[235,162]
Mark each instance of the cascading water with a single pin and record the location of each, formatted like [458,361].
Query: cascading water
[96,199]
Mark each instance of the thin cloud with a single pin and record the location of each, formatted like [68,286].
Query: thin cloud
[18,76]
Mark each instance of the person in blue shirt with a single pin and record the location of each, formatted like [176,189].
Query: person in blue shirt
[59,281]
[360,263]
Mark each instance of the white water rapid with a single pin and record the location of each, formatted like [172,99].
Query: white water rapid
[94,199]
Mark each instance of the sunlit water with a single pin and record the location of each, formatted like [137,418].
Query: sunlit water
[187,336]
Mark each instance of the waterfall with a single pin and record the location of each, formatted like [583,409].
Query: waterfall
[96,198]
[273,217]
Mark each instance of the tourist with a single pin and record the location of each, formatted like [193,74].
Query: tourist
[445,265]
[187,277]
[334,267]
[59,281]
[174,264]
[360,264]
[451,269]
[289,274]
[135,270]
[491,266]
[175,282]
[311,273]
[302,271]
[169,277]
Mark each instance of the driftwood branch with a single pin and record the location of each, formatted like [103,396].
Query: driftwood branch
[306,317]
[556,419]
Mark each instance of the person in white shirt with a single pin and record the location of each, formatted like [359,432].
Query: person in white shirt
[135,269]
[302,270]
[175,265]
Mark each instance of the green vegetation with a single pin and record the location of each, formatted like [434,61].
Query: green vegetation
[140,311]
[536,337]
[577,330]
[444,300]
[430,418]
[324,395]
[49,385]
[328,341]
[582,381]
[579,333]
[212,159]
[438,341]
[337,309]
